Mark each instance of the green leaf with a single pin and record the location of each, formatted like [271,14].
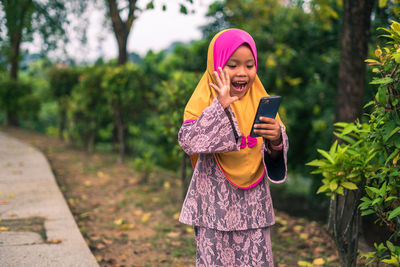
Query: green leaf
[349,185]
[397,129]
[150,5]
[376,201]
[333,148]
[394,153]
[370,158]
[394,213]
[326,155]
[367,212]
[323,188]
[183,9]
[345,138]
[383,190]
[390,198]
[340,190]
[383,3]
[392,261]
[341,124]
[373,189]
[316,163]
[390,246]
[333,185]
[385,80]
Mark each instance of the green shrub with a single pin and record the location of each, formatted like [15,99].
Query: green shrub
[17,101]
[365,170]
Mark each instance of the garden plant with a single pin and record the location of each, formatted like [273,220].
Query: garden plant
[361,172]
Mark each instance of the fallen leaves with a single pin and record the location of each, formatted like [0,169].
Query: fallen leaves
[176,216]
[54,241]
[145,217]
[318,262]
[122,225]
[304,264]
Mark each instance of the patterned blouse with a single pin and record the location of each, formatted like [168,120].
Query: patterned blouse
[211,200]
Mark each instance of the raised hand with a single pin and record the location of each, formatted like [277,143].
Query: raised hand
[223,88]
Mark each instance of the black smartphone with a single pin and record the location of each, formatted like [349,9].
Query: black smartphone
[268,107]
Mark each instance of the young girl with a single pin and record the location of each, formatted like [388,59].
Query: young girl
[228,201]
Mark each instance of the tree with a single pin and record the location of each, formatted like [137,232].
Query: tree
[62,80]
[122,27]
[354,47]
[125,85]
[22,19]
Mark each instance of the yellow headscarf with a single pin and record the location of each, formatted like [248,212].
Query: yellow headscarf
[243,168]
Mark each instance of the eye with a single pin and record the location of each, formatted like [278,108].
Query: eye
[250,66]
[231,66]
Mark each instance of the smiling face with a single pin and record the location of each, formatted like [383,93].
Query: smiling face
[242,70]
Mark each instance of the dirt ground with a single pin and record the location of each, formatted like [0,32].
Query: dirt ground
[130,222]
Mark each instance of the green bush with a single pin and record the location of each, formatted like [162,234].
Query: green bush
[62,80]
[125,86]
[17,101]
[365,170]
[89,108]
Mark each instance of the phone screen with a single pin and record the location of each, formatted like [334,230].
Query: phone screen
[268,107]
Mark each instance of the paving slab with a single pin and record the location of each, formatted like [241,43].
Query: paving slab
[28,190]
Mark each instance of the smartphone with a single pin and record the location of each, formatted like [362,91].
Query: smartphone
[268,107]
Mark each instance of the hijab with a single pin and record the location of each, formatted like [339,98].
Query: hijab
[243,168]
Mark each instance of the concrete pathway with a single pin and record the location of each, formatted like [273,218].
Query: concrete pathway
[28,190]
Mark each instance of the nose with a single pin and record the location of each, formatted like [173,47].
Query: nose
[242,71]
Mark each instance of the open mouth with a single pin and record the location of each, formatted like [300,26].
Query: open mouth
[239,86]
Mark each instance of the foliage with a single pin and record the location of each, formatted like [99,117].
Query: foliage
[174,95]
[126,86]
[368,161]
[17,100]
[89,107]
[62,80]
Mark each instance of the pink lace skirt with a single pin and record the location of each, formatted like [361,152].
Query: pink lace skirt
[233,248]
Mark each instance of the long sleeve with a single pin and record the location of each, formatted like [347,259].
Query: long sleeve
[215,131]
[277,169]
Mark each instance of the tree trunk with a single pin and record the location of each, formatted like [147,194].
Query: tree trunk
[344,224]
[14,57]
[11,117]
[122,38]
[354,48]
[121,28]
[121,136]
[15,43]
[344,216]
[91,141]
[62,117]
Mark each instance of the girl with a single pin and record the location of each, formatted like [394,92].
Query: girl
[228,201]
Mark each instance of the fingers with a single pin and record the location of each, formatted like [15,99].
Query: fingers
[216,88]
[218,79]
[269,129]
[267,120]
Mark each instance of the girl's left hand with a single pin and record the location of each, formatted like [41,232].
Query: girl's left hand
[270,130]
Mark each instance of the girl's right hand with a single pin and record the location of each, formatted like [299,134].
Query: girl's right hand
[223,88]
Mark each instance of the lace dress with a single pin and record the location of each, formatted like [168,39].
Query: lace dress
[231,224]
